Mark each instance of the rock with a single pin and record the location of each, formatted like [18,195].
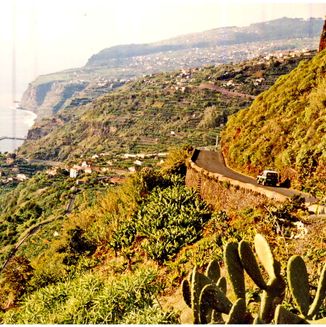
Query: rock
[47,98]
[322,43]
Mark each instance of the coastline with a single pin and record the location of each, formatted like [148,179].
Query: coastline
[14,126]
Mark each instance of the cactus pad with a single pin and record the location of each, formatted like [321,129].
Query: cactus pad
[221,284]
[238,312]
[265,255]
[320,294]
[250,264]
[285,317]
[299,283]
[197,283]
[235,269]
[212,297]
[213,271]
[186,292]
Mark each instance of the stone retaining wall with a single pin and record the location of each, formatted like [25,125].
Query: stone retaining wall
[226,193]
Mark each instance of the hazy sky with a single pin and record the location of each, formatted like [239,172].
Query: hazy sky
[51,35]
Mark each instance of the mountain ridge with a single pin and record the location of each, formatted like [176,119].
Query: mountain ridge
[275,29]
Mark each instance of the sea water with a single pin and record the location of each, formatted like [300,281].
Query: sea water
[14,123]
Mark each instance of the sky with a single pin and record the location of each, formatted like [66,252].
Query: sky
[45,36]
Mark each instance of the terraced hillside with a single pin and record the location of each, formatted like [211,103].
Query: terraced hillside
[157,111]
[285,129]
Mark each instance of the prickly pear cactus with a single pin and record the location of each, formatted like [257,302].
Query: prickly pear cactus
[298,283]
[265,255]
[206,295]
[250,264]
[198,282]
[212,298]
[285,317]
[213,271]
[203,288]
[298,280]
[320,295]
[273,289]
[238,312]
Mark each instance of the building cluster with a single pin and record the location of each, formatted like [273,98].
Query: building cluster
[95,165]
[198,57]
[10,170]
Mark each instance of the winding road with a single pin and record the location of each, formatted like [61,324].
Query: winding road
[214,162]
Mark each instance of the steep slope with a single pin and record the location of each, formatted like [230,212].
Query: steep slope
[120,252]
[156,112]
[285,129]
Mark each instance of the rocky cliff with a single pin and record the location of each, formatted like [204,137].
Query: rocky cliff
[322,43]
[47,98]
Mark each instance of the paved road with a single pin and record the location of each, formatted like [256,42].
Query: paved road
[214,162]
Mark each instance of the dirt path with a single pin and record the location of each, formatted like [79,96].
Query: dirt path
[224,91]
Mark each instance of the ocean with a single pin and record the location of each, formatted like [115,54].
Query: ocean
[14,123]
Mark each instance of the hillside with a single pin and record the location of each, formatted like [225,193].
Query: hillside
[120,254]
[156,112]
[112,247]
[114,66]
[284,129]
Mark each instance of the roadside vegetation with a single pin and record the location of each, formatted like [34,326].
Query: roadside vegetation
[285,129]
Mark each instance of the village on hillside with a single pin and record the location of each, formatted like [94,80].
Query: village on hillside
[103,167]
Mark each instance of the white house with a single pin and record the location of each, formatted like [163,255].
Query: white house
[21,177]
[73,172]
[88,170]
[138,162]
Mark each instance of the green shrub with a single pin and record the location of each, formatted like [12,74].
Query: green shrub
[123,236]
[175,163]
[91,299]
[170,219]
[14,281]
